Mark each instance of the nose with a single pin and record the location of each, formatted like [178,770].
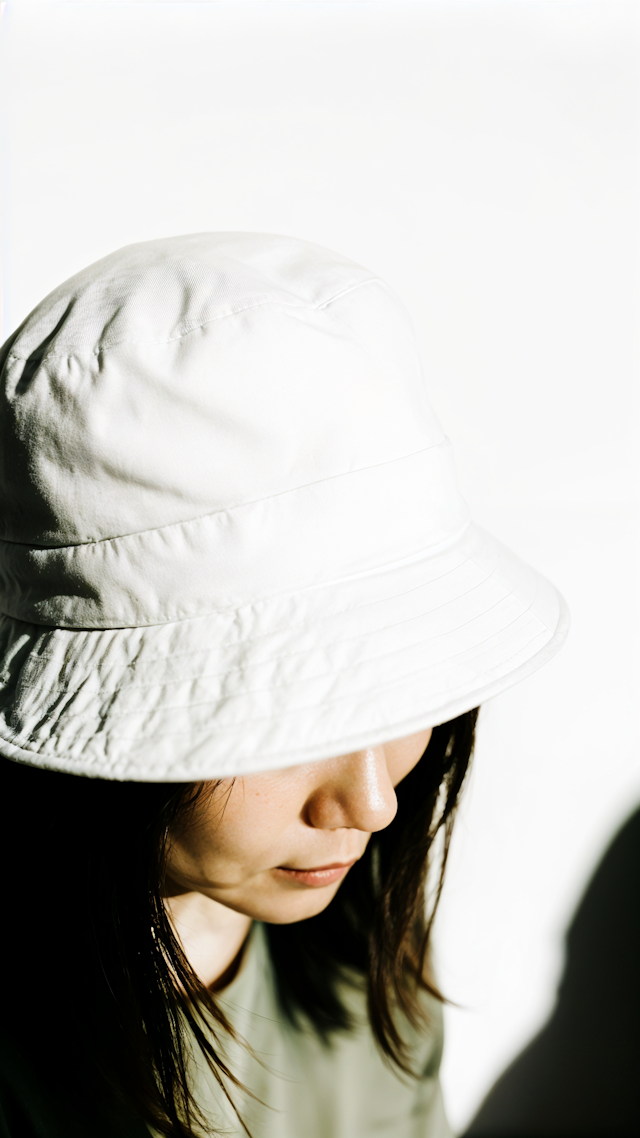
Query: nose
[354,792]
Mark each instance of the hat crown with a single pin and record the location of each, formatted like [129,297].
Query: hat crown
[194,423]
[179,377]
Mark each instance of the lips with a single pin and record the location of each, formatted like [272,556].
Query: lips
[319,868]
[318,876]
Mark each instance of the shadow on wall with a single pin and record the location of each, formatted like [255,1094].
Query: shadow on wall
[581,1075]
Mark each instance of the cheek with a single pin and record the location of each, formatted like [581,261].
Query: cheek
[404,755]
[225,846]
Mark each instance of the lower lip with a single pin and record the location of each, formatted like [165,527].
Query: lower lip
[316,878]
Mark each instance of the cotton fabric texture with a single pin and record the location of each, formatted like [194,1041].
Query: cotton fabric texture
[231,535]
[308,1090]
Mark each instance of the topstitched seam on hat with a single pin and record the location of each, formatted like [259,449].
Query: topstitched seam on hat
[462,690]
[204,677]
[104,541]
[214,730]
[109,715]
[475,693]
[329,703]
[443,709]
[326,703]
[73,354]
[476,652]
[265,719]
[346,290]
[247,641]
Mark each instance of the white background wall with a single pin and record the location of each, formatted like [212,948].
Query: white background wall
[483,157]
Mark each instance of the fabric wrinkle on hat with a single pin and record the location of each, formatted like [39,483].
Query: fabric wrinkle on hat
[232,538]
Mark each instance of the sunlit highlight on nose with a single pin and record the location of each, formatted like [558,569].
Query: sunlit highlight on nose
[374,796]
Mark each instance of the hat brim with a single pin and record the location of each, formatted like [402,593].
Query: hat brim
[291,679]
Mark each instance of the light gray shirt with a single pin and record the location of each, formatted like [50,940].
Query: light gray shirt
[309,1090]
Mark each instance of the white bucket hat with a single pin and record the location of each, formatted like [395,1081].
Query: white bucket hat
[232,539]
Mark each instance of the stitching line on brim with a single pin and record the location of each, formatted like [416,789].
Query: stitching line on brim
[321,675]
[303,624]
[452,696]
[213,731]
[291,686]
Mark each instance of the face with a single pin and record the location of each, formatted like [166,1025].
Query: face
[276,846]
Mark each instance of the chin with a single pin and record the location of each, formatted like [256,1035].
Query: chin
[295,907]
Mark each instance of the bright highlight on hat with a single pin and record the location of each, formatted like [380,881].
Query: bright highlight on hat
[232,539]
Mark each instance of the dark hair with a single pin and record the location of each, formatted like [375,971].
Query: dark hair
[99,978]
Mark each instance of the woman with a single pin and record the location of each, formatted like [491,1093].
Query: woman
[243,597]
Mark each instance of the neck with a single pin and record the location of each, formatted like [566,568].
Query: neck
[212,936]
